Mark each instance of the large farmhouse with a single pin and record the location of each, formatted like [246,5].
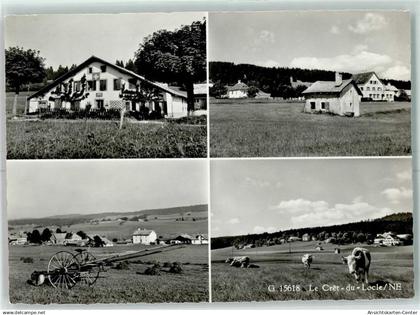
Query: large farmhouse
[142,236]
[98,84]
[340,97]
[373,88]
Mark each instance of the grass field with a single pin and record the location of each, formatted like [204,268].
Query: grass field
[271,128]
[85,139]
[279,268]
[114,286]
[58,139]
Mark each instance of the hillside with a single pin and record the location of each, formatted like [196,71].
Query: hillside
[273,80]
[400,223]
[72,219]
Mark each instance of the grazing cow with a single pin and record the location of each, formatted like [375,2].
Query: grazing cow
[240,261]
[307,260]
[358,263]
[336,251]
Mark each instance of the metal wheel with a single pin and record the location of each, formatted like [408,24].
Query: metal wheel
[63,270]
[89,271]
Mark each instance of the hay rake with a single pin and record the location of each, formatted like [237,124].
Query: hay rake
[66,269]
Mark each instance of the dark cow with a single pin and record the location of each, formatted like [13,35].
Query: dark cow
[358,263]
[307,260]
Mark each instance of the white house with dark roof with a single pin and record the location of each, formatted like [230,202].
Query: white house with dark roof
[104,84]
[340,97]
[239,90]
[143,236]
[373,88]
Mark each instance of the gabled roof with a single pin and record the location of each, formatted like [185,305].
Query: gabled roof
[141,232]
[240,86]
[92,59]
[362,78]
[330,87]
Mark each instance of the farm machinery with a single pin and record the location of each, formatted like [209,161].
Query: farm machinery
[66,269]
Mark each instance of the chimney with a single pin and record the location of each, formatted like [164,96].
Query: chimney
[239,81]
[338,79]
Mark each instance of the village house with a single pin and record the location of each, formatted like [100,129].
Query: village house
[239,90]
[103,90]
[58,238]
[387,239]
[306,237]
[339,97]
[294,239]
[200,239]
[373,88]
[143,236]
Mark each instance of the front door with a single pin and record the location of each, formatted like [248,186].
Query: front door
[100,104]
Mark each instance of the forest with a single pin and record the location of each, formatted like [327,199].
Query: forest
[362,231]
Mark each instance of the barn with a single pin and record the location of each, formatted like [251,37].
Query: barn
[97,84]
[339,97]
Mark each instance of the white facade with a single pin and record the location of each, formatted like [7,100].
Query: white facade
[237,94]
[345,103]
[104,83]
[200,240]
[374,89]
[145,237]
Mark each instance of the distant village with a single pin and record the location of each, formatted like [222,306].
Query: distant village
[382,239]
[53,235]
[372,88]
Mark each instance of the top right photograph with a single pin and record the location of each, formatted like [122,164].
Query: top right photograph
[310,83]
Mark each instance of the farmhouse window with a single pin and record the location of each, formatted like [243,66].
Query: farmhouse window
[361,88]
[103,68]
[92,85]
[102,85]
[373,88]
[368,89]
[322,105]
[117,84]
[312,105]
[77,86]
[90,69]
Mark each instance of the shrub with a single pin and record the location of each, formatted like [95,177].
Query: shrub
[176,268]
[27,260]
[123,265]
[153,271]
[167,264]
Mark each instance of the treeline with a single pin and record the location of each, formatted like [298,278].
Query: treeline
[275,81]
[270,80]
[401,85]
[363,231]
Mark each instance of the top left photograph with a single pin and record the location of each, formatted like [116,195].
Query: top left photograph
[106,86]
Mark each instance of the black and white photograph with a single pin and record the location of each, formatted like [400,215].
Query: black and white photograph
[106,86]
[311,229]
[310,83]
[108,231]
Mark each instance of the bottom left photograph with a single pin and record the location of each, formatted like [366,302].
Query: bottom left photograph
[108,231]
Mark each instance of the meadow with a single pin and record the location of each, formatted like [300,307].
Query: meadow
[90,138]
[283,269]
[263,128]
[114,286]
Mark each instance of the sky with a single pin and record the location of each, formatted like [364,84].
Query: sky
[70,39]
[347,41]
[256,196]
[38,189]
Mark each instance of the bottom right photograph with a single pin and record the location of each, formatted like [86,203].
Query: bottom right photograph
[311,229]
